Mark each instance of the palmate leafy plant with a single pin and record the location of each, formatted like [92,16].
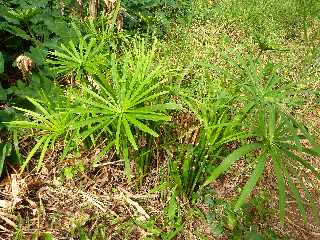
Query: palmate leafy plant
[77,60]
[49,125]
[119,106]
[80,58]
[279,138]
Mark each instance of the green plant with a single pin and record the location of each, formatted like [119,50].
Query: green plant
[154,16]
[81,57]
[5,151]
[104,27]
[307,12]
[1,63]
[31,27]
[77,62]
[125,102]
[144,156]
[28,28]
[279,138]
[9,150]
[269,22]
[50,125]
[70,172]
[189,168]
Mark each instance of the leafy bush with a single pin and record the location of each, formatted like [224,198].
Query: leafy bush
[32,26]
[240,106]
[121,103]
[29,28]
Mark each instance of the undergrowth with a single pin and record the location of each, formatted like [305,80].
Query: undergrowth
[225,89]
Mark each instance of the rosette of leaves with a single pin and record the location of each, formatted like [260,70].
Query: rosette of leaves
[125,102]
[78,60]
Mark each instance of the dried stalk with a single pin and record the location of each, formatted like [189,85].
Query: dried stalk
[93,8]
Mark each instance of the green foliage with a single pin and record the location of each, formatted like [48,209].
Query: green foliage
[9,150]
[89,51]
[112,108]
[70,172]
[278,136]
[49,125]
[269,22]
[103,28]
[222,218]
[189,168]
[243,107]
[32,26]
[145,156]
[154,16]
[76,62]
[1,63]
[126,102]
[5,151]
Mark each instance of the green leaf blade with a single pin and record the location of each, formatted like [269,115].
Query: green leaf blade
[229,160]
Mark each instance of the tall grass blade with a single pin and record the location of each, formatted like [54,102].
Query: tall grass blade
[297,197]
[141,126]
[313,205]
[127,166]
[129,133]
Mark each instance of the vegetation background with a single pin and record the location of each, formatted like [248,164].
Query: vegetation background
[159,119]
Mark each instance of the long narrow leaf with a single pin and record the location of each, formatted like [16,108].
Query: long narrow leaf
[297,197]
[272,124]
[141,126]
[43,152]
[117,140]
[150,116]
[32,152]
[314,207]
[303,162]
[127,165]
[229,161]
[281,184]
[256,174]
[129,133]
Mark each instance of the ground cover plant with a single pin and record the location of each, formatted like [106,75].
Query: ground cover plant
[159,119]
